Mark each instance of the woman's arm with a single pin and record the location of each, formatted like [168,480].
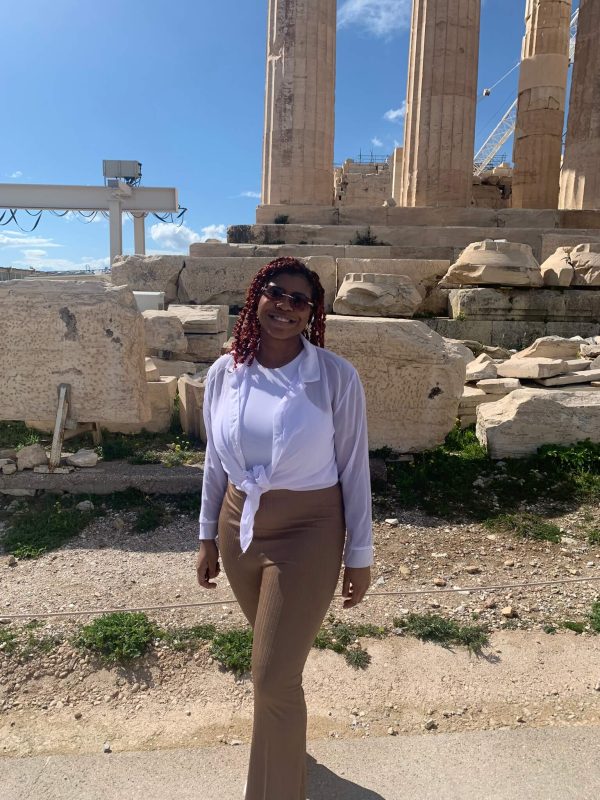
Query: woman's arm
[214,482]
[352,456]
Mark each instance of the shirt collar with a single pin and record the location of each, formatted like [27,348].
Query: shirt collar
[309,369]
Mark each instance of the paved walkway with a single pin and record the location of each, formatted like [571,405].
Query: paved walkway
[528,764]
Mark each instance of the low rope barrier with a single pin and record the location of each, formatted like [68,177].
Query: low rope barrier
[407,593]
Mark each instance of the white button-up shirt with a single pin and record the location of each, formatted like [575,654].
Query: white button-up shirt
[319,438]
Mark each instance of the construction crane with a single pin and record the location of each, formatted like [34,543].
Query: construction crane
[506,127]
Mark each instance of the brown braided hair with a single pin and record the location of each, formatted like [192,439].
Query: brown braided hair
[246,333]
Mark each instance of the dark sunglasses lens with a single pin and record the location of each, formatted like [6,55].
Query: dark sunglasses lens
[299,303]
[273,292]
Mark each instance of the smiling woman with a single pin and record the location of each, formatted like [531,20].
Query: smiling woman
[286,493]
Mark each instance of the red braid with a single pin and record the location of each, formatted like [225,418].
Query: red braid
[246,333]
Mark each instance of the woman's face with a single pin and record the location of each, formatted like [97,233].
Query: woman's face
[278,318]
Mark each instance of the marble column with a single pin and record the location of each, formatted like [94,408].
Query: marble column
[439,134]
[299,103]
[541,106]
[580,177]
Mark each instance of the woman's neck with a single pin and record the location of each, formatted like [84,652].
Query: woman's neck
[274,353]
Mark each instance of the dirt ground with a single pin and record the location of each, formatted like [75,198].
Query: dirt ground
[65,701]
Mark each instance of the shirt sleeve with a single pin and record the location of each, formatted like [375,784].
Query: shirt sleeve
[214,481]
[352,456]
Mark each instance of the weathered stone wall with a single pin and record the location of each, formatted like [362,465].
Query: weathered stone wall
[413,380]
[362,185]
[89,335]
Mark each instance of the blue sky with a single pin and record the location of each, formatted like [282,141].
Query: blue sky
[179,86]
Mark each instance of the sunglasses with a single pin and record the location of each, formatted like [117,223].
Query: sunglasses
[298,301]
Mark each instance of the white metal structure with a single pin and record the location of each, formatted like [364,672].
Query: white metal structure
[506,127]
[114,199]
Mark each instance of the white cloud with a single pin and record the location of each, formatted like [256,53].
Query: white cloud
[178,239]
[16,174]
[380,18]
[46,263]
[20,239]
[172,237]
[250,194]
[396,114]
[215,232]
[30,254]
[376,142]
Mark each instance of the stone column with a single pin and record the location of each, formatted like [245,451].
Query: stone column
[299,103]
[580,178]
[541,107]
[439,134]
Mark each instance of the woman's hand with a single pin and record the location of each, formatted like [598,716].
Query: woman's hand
[207,565]
[355,584]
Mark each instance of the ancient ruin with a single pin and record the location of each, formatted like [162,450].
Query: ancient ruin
[460,291]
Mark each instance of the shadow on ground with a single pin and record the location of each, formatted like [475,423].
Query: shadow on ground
[323,784]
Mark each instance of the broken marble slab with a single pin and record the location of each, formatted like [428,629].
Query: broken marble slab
[531,368]
[585,376]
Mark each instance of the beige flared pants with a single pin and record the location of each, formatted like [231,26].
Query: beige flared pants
[284,584]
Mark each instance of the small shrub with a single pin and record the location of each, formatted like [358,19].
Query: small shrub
[281,219]
[8,640]
[233,649]
[527,526]
[550,629]
[239,234]
[118,448]
[365,238]
[595,616]
[120,636]
[575,626]
[357,657]
[435,628]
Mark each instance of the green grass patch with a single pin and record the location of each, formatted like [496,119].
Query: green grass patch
[16,435]
[525,525]
[25,643]
[118,637]
[357,658]
[458,480]
[574,625]
[233,649]
[150,517]
[48,523]
[447,632]
[595,616]
[8,640]
[594,536]
[188,638]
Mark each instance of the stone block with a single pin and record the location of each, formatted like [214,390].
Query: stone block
[413,380]
[163,331]
[31,456]
[551,347]
[224,281]
[175,367]
[162,400]
[149,273]
[507,334]
[86,334]
[569,239]
[424,273]
[152,372]
[377,295]
[201,319]
[473,397]
[481,368]
[500,386]
[570,305]
[461,349]
[523,421]
[531,368]
[204,346]
[579,376]
[82,458]
[191,400]
[557,269]
[495,263]
[585,259]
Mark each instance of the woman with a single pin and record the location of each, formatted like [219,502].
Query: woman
[286,489]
